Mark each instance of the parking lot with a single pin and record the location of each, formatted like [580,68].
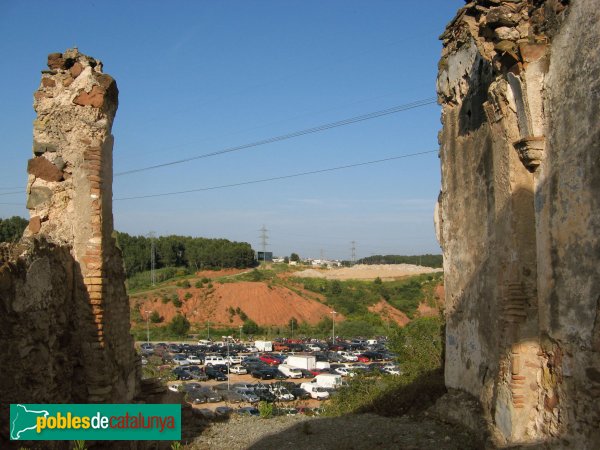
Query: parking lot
[297,380]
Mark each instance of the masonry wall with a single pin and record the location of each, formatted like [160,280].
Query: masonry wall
[518,216]
[65,308]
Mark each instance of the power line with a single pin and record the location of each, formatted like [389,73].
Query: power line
[327,126]
[283,177]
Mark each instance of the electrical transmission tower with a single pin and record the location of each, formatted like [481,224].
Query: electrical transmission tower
[353,252]
[263,241]
[152,258]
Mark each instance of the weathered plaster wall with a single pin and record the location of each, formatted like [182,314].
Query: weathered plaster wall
[64,317]
[518,218]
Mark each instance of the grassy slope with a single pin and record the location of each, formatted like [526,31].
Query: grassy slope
[352,298]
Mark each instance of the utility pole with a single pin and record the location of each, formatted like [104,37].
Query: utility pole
[152,258]
[241,326]
[333,328]
[148,327]
[207,330]
[353,252]
[263,241]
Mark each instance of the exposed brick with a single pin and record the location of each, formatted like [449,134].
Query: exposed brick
[96,296]
[94,98]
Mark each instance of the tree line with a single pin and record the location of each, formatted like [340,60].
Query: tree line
[427,260]
[11,229]
[194,253]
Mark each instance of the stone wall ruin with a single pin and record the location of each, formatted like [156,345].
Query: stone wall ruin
[64,320]
[518,216]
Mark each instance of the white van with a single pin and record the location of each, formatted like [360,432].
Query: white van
[315,391]
[328,380]
[290,371]
[211,360]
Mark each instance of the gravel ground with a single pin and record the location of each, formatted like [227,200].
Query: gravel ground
[353,432]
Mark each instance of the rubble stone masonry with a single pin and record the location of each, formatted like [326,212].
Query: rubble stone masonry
[519,217]
[62,291]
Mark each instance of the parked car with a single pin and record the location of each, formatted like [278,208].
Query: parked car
[248,411]
[270,359]
[196,397]
[147,349]
[306,373]
[223,411]
[347,356]
[181,374]
[247,395]
[215,374]
[211,360]
[223,368]
[281,393]
[345,372]
[314,391]
[195,372]
[211,396]
[231,396]
[363,358]
[181,360]
[187,387]
[234,359]
[263,374]
[299,393]
[193,359]
[238,370]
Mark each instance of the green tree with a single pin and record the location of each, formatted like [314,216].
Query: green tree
[250,327]
[155,317]
[335,287]
[12,229]
[286,260]
[179,326]
[419,345]
[294,257]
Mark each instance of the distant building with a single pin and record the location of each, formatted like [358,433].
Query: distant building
[264,256]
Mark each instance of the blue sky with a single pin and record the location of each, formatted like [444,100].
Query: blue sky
[200,76]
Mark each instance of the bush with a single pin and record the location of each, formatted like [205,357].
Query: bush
[420,350]
[165,299]
[187,296]
[265,410]
[419,345]
[179,326]
[177,302]
[250,327]
[199,284]
[155,317]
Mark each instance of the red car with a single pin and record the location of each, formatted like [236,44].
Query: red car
[270,360]
[364,358]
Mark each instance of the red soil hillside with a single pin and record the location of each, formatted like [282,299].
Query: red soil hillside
[263,304]
[389,313]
